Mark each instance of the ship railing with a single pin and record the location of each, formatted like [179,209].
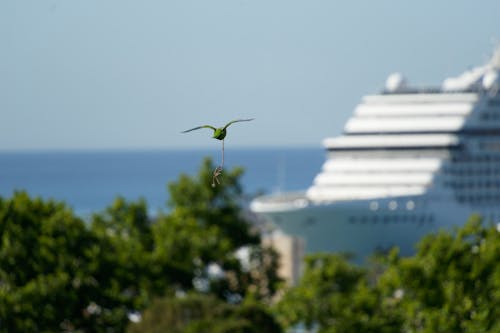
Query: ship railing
[432,90]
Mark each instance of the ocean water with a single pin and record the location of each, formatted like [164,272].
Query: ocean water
[88,181]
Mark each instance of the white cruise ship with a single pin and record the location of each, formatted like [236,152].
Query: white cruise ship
[410,161]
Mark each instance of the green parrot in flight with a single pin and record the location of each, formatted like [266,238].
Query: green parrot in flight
[219,134]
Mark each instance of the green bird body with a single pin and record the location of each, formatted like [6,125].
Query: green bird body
[219,133]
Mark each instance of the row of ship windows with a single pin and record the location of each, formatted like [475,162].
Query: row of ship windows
[494,102]
[472,171]
[385,219]
[480,198]
[471,185]
[479,158]
[490,116]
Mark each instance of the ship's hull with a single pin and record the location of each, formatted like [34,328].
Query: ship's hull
[363,227]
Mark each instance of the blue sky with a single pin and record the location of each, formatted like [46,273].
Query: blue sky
[94,74]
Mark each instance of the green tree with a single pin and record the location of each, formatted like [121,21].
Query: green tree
[208,223]
[335,296]
[201,239]
[122,262]
[218,208]
[45,257]
[197,313]
[452,284]
[58,273]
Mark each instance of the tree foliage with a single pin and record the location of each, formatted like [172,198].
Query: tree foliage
[215,229]
[60,273]
[35,235]
[452,284]
[335,296]
[197,313]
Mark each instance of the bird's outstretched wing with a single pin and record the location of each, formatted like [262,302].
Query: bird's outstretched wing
[235,121]
[204,126]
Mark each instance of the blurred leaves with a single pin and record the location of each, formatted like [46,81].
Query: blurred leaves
[452,284]
[195,313]
[59,273]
